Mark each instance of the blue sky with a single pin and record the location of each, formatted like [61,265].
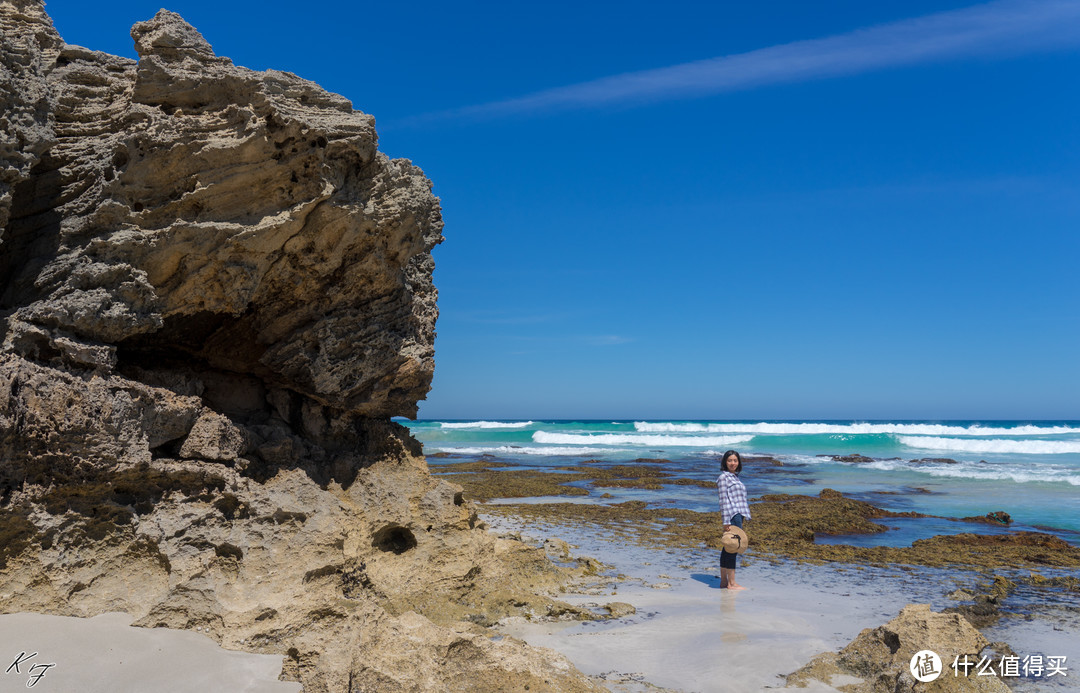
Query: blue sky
[717,210]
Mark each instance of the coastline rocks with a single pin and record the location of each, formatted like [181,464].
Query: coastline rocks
[785,520]
[617,610]
[411,656]
[762,459]
[214,294]
[322,575]
[484,481]
[990,601]
[183,209]
[998,517]
[854,458]
[28,45]
[880,656]
[781,525]
[985,609]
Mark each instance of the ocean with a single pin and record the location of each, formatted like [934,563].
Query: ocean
[952,469]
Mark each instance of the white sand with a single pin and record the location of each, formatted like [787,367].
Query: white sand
[693,636]
[105,654]
[687,634]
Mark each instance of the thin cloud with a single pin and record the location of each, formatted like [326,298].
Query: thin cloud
[607,340]
[1004,27]
[511,319]
[561,340]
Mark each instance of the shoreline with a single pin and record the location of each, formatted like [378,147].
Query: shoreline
[1021,587]
[670,628]
[638,495]
[682,634]
[686,631]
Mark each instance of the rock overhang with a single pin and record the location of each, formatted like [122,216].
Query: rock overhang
[181,209]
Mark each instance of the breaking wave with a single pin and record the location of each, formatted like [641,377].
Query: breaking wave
[982,471]
[488,424]
[515,450]
[1022,447]
[853,429]
[637,440]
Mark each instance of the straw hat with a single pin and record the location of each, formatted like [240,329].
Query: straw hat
[734,540]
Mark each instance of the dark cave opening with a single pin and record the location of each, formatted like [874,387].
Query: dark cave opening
[394,538]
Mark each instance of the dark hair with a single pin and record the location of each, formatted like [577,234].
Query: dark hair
[729,453]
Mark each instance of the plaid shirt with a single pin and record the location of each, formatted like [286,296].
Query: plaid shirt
[732,497]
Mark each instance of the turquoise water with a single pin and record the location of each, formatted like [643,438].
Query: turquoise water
[1029,469]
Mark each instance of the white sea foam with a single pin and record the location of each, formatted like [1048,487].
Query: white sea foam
[1022,447]
[1003,474]
[635,439]
[515,450]
[850,429]
[488,424]
[988,472]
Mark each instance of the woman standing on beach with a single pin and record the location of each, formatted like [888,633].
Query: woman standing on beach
[734,510]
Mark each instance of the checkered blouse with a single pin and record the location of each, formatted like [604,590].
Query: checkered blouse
[732,496]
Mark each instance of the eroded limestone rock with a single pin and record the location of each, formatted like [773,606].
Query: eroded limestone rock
[214,293]
[880,657]
[181,207]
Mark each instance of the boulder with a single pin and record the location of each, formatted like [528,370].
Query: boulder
[880,658]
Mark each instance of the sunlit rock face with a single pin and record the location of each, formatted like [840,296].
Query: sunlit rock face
[181,209]
[214,293]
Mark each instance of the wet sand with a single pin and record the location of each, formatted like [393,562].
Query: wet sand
[690,635]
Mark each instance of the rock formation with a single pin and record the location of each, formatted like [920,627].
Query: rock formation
[878,659]
[215,292]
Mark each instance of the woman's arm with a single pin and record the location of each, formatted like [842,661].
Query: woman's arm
[726,507]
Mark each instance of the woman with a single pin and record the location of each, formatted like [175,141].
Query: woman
[734,510]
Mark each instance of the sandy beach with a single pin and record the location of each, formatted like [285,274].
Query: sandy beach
[689,635]
[104,654]
[672,627]
[686,634]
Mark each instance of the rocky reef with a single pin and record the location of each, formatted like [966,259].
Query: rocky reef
[784,525]
[215,292]
[878,659]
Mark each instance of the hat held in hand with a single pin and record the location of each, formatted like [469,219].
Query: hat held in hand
[734,540]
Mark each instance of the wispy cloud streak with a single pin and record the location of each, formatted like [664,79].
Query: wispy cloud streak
[1004,27]
[608,340]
